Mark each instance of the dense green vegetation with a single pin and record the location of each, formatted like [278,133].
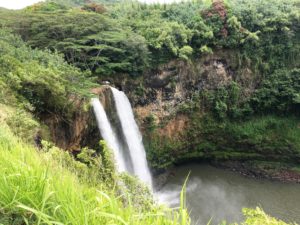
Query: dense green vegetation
[36,81]
[130,36]
[77,3]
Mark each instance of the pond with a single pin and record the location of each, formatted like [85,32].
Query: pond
[218,194]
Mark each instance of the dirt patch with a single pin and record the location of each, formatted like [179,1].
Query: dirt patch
[175,127]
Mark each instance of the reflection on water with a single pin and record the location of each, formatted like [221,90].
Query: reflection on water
[220,195]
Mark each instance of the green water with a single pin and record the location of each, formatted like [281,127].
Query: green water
[220,195]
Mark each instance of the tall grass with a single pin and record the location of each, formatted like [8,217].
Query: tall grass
[37,189]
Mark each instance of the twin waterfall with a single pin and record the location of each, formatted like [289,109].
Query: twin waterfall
[129,153]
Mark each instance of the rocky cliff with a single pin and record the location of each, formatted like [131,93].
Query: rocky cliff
[80,129]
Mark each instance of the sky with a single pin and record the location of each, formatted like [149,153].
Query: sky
[19,4]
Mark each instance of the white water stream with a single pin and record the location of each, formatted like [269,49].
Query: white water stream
[108,134]
[132,136]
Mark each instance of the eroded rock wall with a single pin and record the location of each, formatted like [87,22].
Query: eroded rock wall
[161,92]
[80,130]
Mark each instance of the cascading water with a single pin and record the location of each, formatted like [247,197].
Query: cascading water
[136,159]
[133,137]
[108,134]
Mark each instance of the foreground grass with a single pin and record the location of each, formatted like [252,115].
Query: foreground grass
[37,189]
[259,217]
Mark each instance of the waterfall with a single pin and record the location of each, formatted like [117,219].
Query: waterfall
[108,134]
[133,136]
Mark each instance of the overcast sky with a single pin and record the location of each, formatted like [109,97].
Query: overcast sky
[19,4]
[16,4]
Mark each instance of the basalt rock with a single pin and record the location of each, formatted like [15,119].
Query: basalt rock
[160,92]
[73,133]
[80,129]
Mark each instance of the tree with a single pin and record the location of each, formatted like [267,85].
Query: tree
[96,43]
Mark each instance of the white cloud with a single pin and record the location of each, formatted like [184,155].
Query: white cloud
[17,4]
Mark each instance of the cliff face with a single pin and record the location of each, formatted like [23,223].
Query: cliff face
[80,130]
[161,93]
[160,96]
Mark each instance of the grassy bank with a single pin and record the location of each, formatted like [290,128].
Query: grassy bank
[38,188]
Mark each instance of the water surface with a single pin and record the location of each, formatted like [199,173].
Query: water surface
[221,194]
